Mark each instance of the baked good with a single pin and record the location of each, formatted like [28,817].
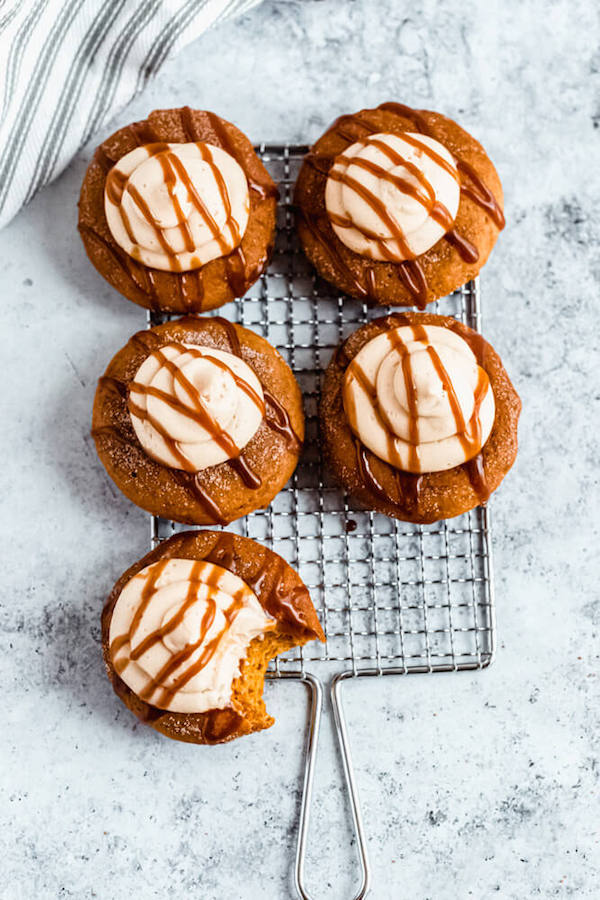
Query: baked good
[177,212]
[419,418]
[189,630]
[398,206]
[198,420]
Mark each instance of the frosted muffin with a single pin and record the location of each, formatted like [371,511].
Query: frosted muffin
[177,212]
[189,630]
[419,417]
[198,420]
[398,206]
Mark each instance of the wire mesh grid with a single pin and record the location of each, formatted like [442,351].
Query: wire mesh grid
[391,596]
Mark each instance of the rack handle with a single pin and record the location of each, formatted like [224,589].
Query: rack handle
[315,688]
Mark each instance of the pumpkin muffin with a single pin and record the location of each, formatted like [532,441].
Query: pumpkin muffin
[189,630]
[198,420]
[419,418]
[177,212]
[398,206]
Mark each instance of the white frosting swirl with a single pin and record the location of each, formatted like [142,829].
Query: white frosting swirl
[193,407]
[416,397]
[179,631]
[370,199]
[177,206]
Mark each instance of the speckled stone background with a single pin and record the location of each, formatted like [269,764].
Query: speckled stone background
[472,785]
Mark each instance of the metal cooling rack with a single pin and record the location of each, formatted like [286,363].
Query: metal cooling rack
[394,598]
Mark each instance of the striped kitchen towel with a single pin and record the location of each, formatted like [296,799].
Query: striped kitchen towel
[67,66]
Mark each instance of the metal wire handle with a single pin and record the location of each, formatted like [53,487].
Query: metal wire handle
[315,687]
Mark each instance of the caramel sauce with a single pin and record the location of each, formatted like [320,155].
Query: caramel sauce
[422,192]
[158,231]
[103,159]
[448,387]
[467,250]
[367,475]
[148,592]
[142,133]
[474,188]
[268,583]
[411,398]
[235,272]
[276,416]
[250,478]
[409,486]
[475,470]
[170,179]
[379,208]
[318,161]
[231,334]
[223,140]
[113,385]
[191,482]
[178,659]
[413,276]
[174,622]
[145,341]
[223,552]
[278,419]
[191,289]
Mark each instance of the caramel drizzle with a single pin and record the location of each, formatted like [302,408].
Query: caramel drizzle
[250,478]
[480,193]
[191,482]
[411,271]
[263,188]
[276,416]
[236,273]
[114,385]
[191,289]
[318,229]
[223,552]
[466,249]
[408,485]
[469,434]
[155,636]
[379,208]
[475,469]
[167,165]
[276,599]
